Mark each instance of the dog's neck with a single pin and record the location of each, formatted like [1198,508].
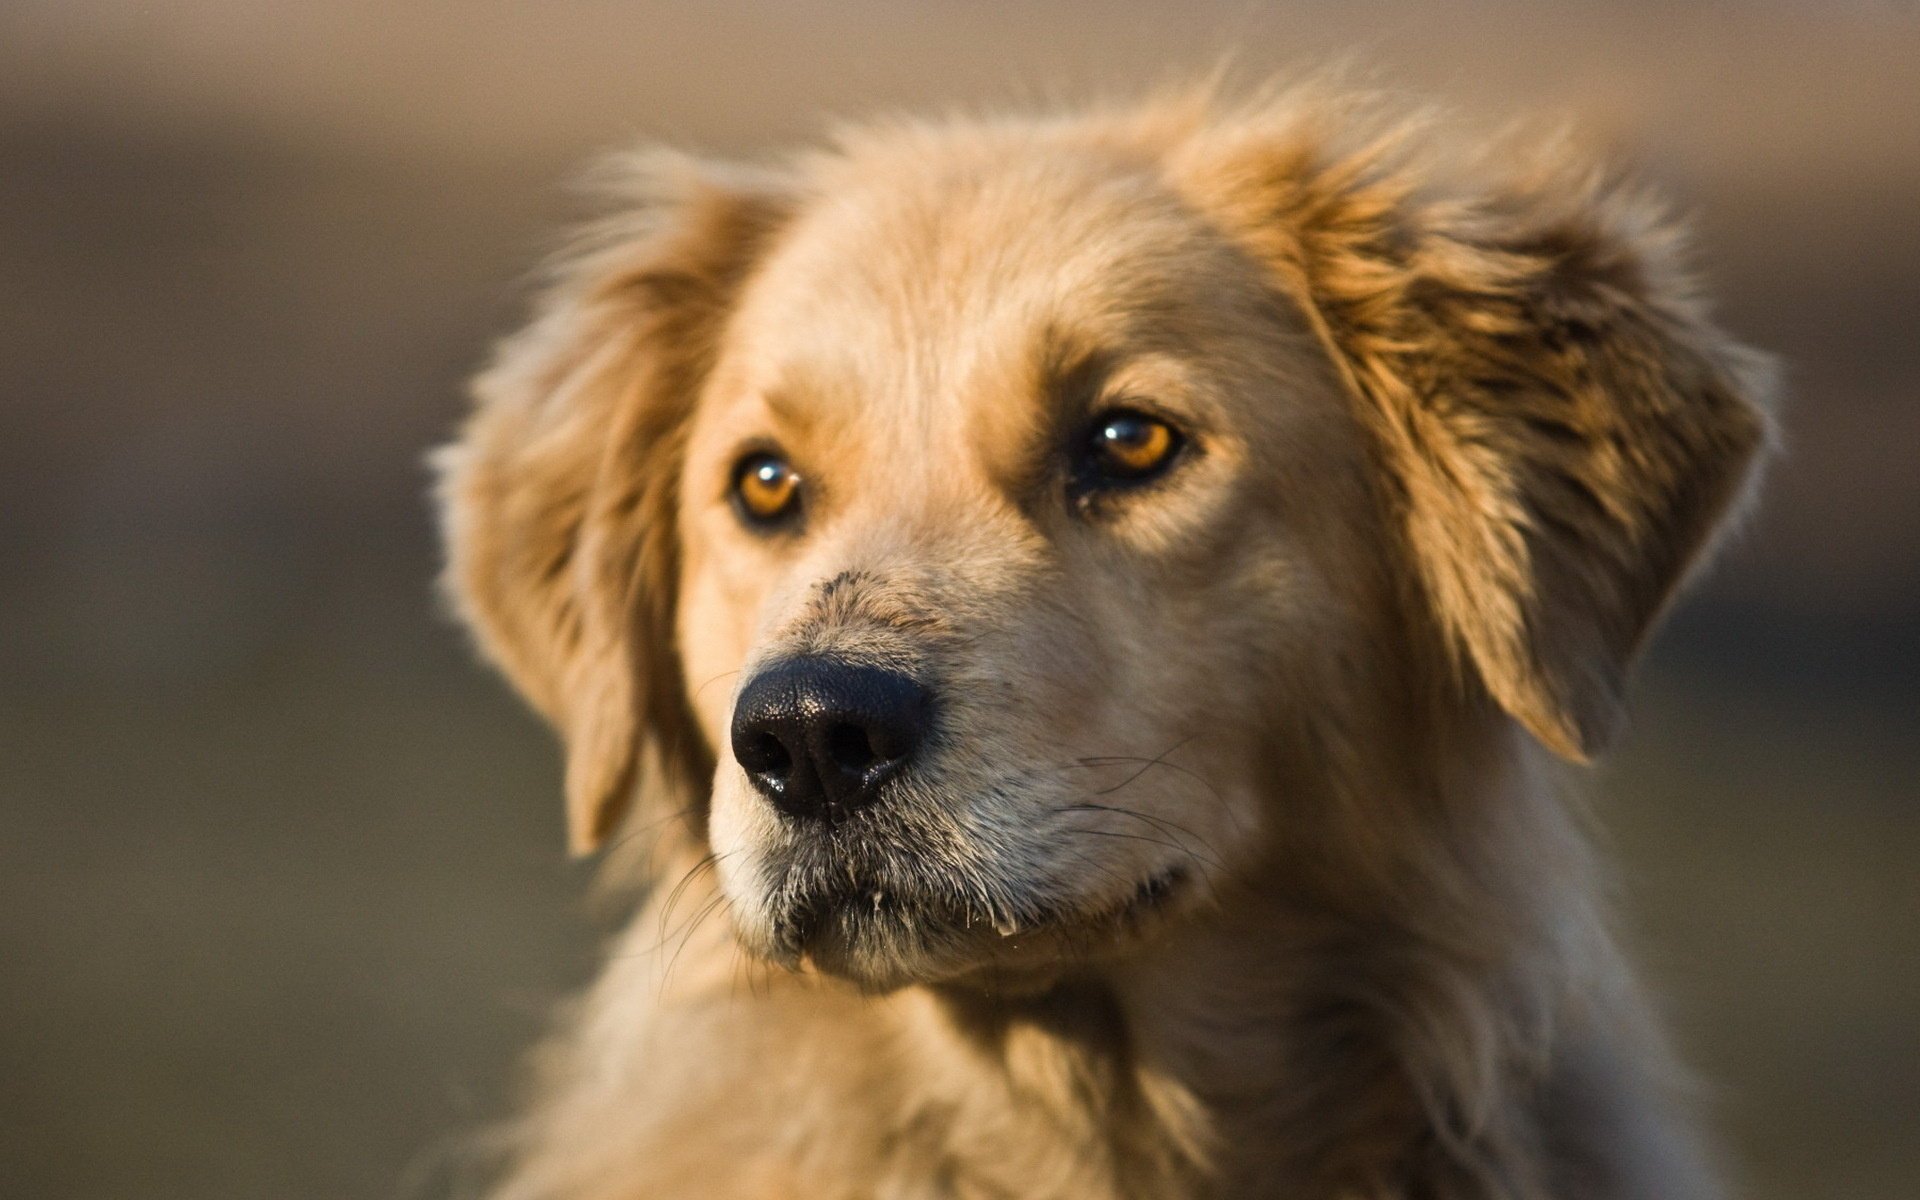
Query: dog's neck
[1312,1034]
[1316,1033]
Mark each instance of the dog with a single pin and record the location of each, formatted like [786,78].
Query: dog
[1081,612]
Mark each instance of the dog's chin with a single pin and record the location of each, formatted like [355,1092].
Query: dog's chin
[881,941]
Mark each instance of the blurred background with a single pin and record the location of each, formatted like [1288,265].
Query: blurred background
[282,889]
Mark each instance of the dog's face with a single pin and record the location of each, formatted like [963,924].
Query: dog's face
[1002,517]
[1008,481]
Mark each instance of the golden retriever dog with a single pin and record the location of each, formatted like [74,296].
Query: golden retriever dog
[1080,611]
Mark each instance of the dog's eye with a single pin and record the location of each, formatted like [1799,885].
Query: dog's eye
[1125,446]
[766,489]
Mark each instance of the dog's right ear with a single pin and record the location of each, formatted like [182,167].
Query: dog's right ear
[558,497]
[1561,429]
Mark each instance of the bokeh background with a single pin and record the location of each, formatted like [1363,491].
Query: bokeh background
[282,892]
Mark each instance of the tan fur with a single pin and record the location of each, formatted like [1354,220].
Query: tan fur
[1460,431]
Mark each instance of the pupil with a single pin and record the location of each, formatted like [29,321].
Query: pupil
[766,488]
[1122,447]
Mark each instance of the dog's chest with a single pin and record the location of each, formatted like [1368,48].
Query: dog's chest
[823,1093]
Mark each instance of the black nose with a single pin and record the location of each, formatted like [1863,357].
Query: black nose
[819,736]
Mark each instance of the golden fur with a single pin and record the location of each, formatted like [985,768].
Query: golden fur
[1460,430]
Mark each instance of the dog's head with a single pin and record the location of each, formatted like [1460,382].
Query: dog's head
[991,526]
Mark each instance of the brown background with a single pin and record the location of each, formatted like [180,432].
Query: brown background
[281,885]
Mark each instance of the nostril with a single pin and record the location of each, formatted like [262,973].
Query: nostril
[764,754]
[849,748]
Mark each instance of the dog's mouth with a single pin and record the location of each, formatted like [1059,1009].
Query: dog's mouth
[888,937]
[1152,893]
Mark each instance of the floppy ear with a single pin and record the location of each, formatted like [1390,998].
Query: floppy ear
[558,496]
[1562,429]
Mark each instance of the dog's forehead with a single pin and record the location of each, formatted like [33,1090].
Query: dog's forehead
[923,279]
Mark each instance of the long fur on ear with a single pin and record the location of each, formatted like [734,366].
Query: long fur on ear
[1562,427]
[558,497]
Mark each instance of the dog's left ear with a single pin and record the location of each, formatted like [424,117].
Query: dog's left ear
[1563,429]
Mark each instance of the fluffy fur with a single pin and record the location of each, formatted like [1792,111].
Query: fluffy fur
[1238,867]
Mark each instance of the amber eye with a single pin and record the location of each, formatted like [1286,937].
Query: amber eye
[1125,446]
[766,490]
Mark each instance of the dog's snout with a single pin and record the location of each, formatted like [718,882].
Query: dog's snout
[820,736]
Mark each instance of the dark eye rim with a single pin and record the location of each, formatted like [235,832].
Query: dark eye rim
[788,517]
[1089,480]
